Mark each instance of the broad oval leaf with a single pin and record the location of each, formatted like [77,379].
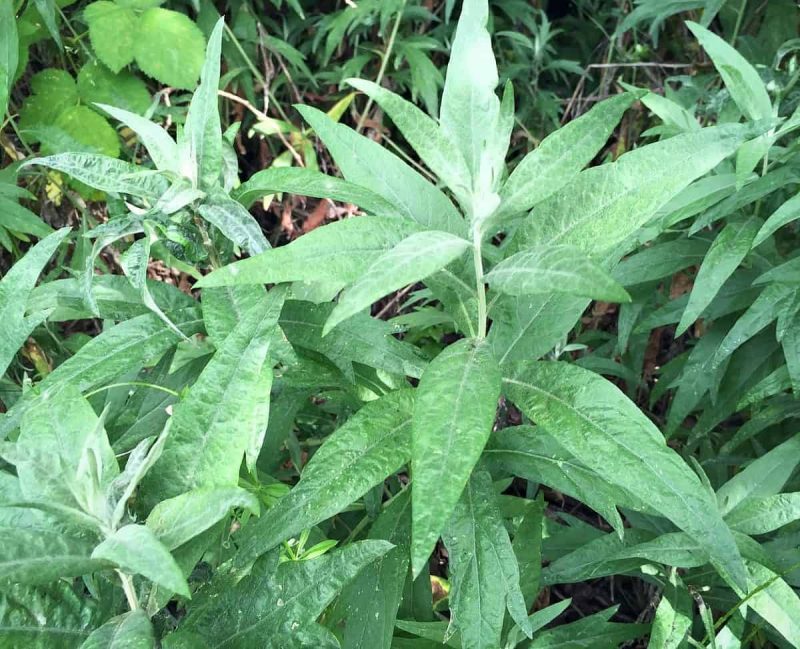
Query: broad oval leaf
[453,416]
[131,630]
[608,433]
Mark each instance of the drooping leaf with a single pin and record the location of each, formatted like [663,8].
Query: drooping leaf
[177,520]
[131,630]
[786,213]
[370,446]
[453,416]
[135,549]
[276,605]
[413,259]
[340,251]
[303,181]
[161,147]
[203,448]
[585,409]
[483,568]
[15,287]
[555,269]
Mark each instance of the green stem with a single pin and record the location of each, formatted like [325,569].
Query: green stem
[130,591]
[477,259]
[384,63]
[738,24]
[139,383]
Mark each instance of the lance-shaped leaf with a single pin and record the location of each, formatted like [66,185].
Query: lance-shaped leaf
[560,156]
[608,433]
[135,549]
[741,78]
[371,600]
[776,602]
[106,174]
[235,222]
[470,107]
[177,520]
[674,614]
[15,287]
[786,213]
[431,142]
[453,417]
[483,568]
[303,181]
[412,260]
[340,251]
[366,163]
[9,51]
[276,602]
[555,269]
[205,448]
[726,253]
[123,348]
[128,631]
[605,205]
[203,133]
[764,514]
[369,447]
[161,147]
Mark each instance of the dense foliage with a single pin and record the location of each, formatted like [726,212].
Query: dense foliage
[399,324]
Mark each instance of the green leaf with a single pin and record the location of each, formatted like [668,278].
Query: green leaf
[659,261]
[483,569]
[371,599]
[9,51]
[235,222]
[370,446]
[276,603]
[54,91]
[786,213]
[57,616]
[169,47]
[161,147]
[17,218]
[431,142]
[37,549]
[592,631]
[608,433]
[470,107]
[203,132]
[113,30]
[740,78]
[128,631]
[135,549]
[302,181]
[726,253]
[124,347]
[412,260]
[777,603]
[560,156]
[15,287]
[605,205]
[88,128]
[761,515]
[339,252]
[368,164]
[223,308]
[97,84]
[203,448]
[453,417]
[105,173]
[764,476]
[555,269]
[177,520]
[673,619]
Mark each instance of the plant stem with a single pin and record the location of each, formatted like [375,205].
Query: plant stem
[480,286]
[384,63]
[738,25]
[130,591]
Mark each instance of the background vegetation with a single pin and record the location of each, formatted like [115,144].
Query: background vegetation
[460,447]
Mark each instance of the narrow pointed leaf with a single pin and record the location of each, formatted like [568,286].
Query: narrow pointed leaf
[453,417]
[412,260]
[235,222]
[786,213]
[161,147]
